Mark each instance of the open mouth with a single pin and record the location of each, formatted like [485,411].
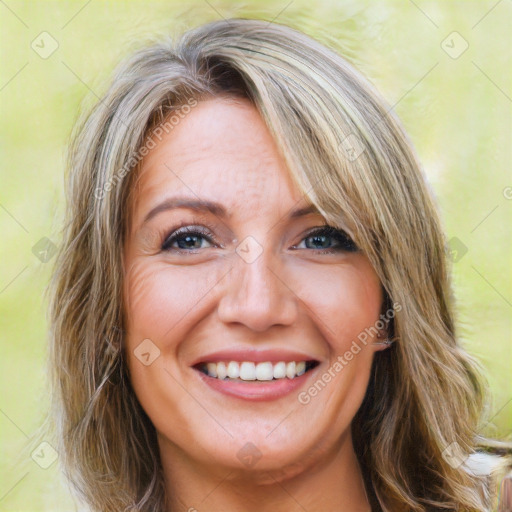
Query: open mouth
[243,371]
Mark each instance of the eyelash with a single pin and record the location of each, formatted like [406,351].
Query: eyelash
[346,243]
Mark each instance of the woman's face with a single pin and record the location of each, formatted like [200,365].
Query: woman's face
[245,286]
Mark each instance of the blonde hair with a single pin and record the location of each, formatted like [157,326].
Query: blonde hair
[349,155]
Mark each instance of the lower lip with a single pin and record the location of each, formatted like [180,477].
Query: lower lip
[256,391]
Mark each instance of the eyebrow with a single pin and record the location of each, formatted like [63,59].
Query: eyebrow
[203,205]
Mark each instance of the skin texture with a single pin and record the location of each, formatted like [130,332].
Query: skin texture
[210,298]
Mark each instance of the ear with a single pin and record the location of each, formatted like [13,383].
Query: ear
[379,346]
[382,342]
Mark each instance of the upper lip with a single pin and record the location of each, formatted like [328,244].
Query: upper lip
[258,356]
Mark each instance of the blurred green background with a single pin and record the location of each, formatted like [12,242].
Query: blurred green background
[444,66]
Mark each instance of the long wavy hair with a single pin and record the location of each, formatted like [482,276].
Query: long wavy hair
[349,155]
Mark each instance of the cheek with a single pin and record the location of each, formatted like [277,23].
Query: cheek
[159,304]
[343,299]
[160,301]
[145,301]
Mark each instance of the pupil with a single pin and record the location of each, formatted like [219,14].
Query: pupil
[186,240]
[318,238]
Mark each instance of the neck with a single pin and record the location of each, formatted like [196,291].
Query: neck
[331,482]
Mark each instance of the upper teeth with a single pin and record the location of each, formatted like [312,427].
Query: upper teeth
[247,370]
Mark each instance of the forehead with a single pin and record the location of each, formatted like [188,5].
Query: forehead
[221,150]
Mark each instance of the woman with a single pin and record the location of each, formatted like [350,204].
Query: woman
[211,348]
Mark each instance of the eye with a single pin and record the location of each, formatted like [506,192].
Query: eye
[188,239]
[321,240]
[326,239]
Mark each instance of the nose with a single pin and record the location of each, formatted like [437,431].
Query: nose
[258,294]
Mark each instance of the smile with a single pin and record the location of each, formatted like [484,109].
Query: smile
[255,375]
[252,371]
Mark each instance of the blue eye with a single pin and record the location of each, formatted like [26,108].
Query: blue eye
[189,239]
[324,235]
[186,238]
